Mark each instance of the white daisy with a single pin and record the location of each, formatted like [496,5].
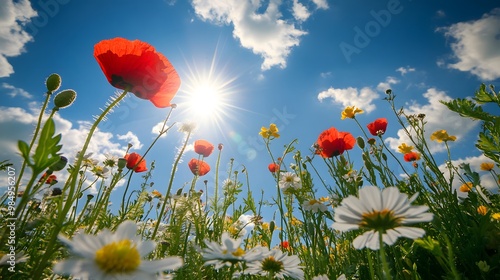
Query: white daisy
[276,264]
[289,180]
[387,211]
[113,256]
[229,252]
[314,205]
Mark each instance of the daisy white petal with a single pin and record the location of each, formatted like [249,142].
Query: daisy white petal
[386,211]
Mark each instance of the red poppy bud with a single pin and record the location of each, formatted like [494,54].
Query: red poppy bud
[133,162]
[378,127]
[411,156]
[198,167]
[220,146]
[273,167]
[203,147]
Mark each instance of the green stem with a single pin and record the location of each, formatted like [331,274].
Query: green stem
[38,270]
[385,265]
[35,135]
[124,195]
[169,188]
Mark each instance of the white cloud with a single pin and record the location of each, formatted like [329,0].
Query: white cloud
[300,11]
[18,124]
[13,17]
[404,70]
[266,34]
[437,117]
[440,14]
[383,86]
[325,74]
[13,91]
[476,45]
[321,4]
[131,138]
[350,96]
[487,181]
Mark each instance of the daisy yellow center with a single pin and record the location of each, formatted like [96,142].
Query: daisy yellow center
[118,257]
[313,201]
[289,179]
[380,220]
[270,264]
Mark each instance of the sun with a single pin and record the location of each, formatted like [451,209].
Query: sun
[207,96]
[205,99]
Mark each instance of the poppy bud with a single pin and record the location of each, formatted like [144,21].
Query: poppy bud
[65,98]
[56,191]
[53,82]
[361,142]
[90,196]
[122,162]
[220,146]
[58,165]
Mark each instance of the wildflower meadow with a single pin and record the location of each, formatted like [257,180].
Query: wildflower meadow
[382,215]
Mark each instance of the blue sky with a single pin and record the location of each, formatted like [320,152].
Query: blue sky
[295,63]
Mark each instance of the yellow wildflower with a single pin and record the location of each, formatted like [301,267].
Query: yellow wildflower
[350,112]
[482,210]
[156,193]
[272,131]
[442,135]
[467,187]
[404,149]
[487,166]
[496,216]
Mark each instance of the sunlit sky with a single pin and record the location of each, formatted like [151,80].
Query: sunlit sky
[293,63]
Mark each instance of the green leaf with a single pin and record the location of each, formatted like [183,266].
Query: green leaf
[46,152]
[483,96]
[25,150]
[468,108]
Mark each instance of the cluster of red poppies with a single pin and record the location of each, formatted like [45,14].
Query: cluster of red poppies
[198,166]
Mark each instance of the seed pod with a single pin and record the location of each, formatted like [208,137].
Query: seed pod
[53,82]
[65,98]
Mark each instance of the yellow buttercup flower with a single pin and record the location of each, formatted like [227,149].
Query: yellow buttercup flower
[467,187]
[404,149]
[350,112]
[482,210]
[487,166]
[272,131]
[442,136]
[496,216]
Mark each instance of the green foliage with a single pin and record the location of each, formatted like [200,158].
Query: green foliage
[461,242]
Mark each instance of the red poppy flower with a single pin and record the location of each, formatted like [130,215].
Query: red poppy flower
[203,147]
[411,156]
[333,143]
[273,167]
[378,127]
[285,245]
[198,167]
[139,68]
[49,179]
[133,162]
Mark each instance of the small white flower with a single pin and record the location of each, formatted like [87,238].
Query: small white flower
[113,256]
[314,205]
[276,263]
[387,211]
[229,252]
[289,180]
